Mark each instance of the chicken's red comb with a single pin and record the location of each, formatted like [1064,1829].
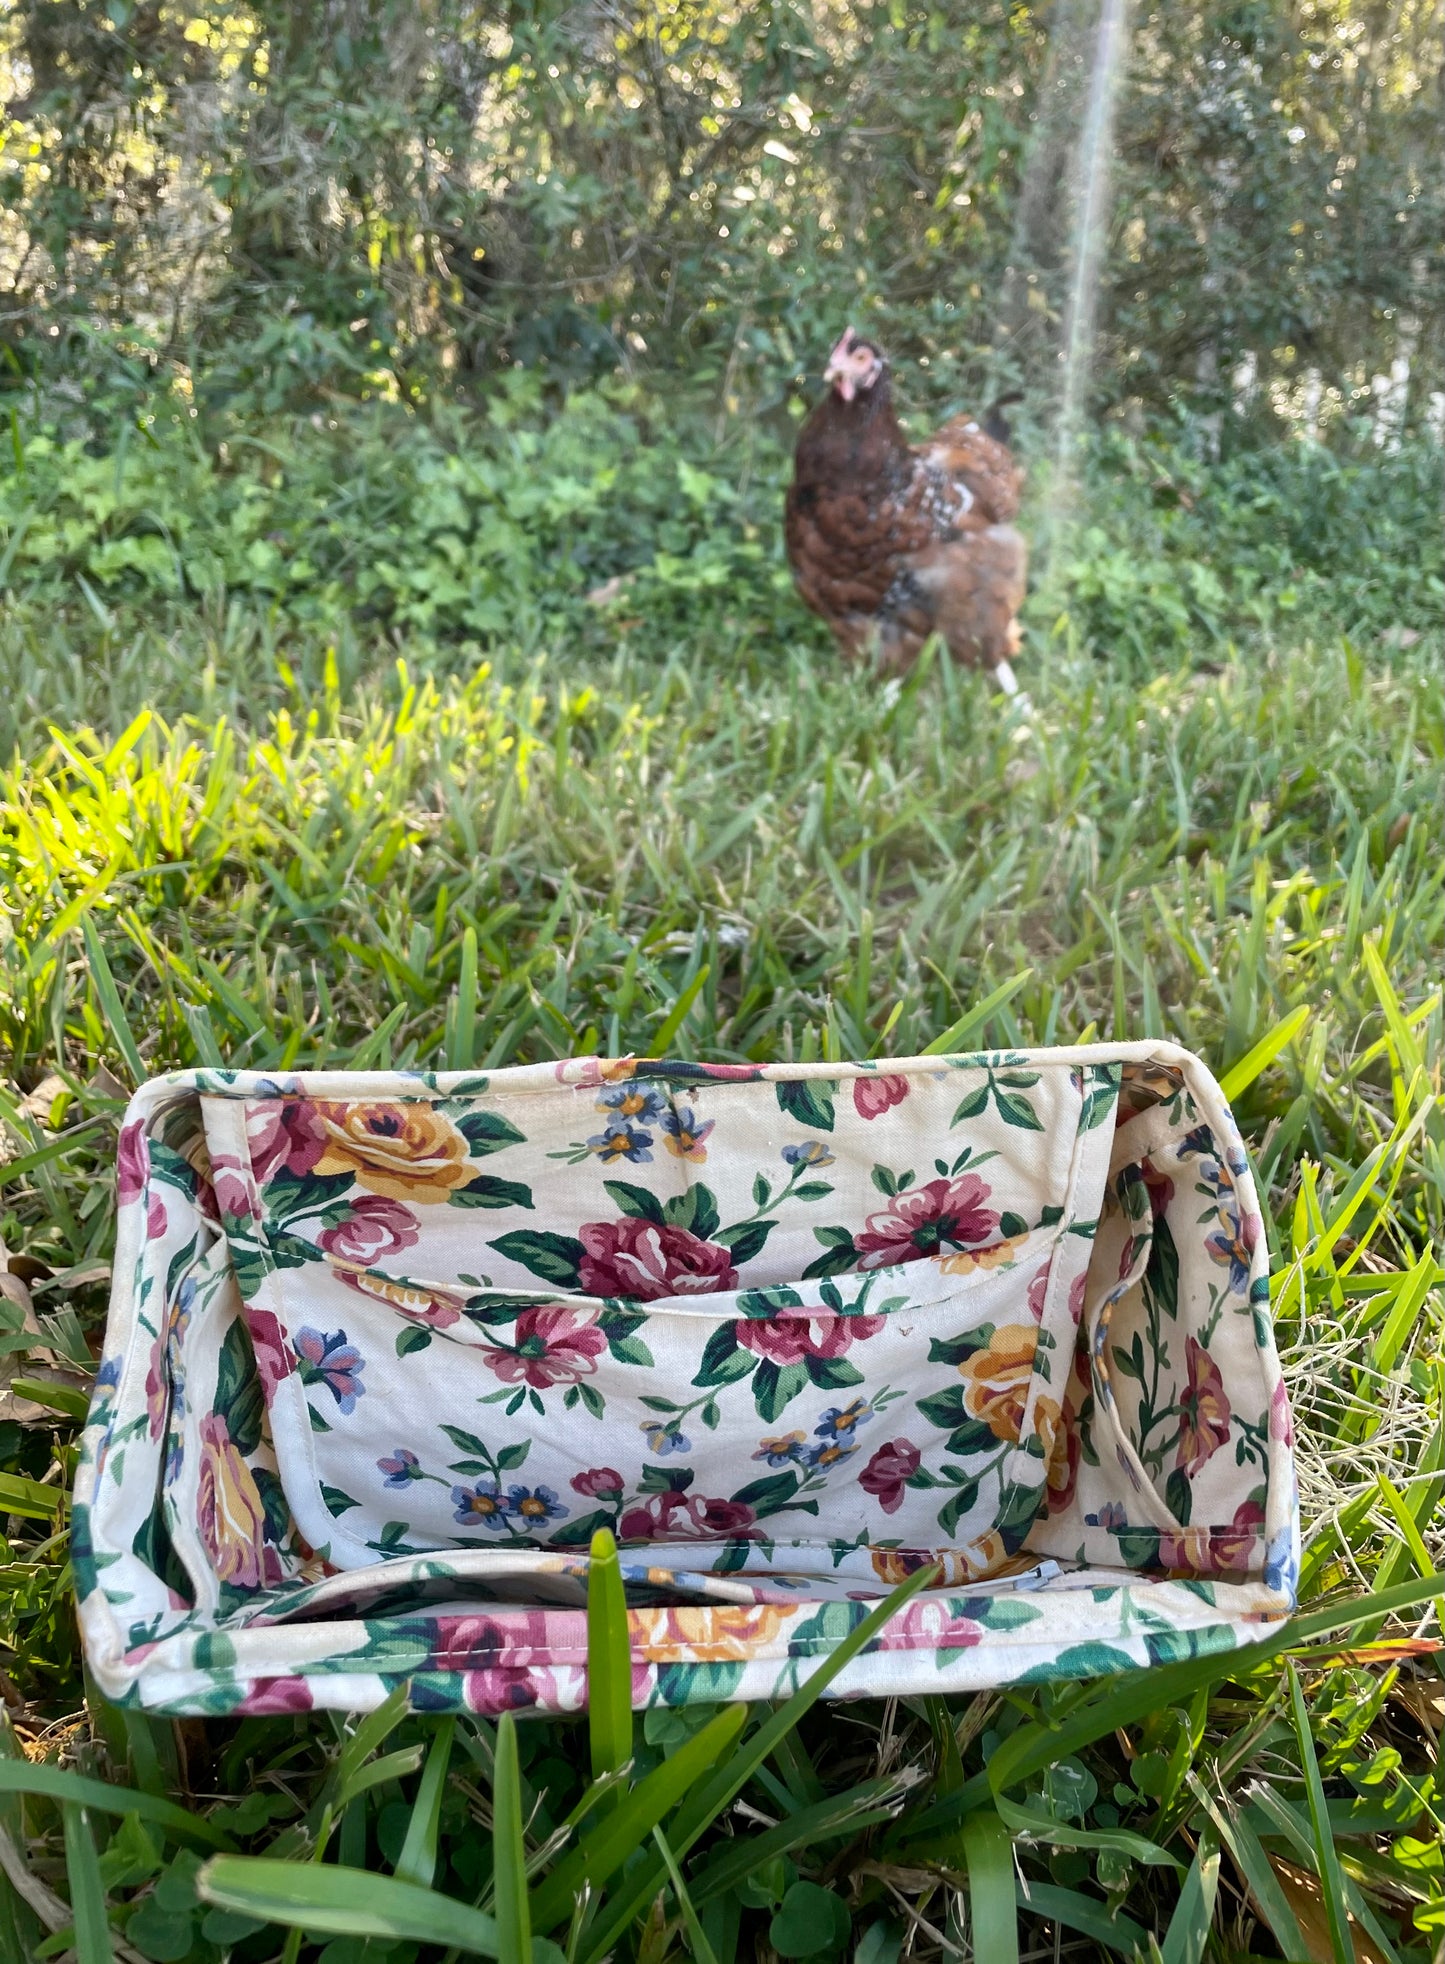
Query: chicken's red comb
[844,347]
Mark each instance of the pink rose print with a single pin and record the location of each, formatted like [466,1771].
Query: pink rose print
[556,1344]
[789,1339]
[132,1161]
[1159,1187]
[268,1695]
[505,1688]
[923,1221]
[678,1516]
[1039,1289]
[285,1137]
[644,1261]
[232,1189]
[922,1625]
[598,1483]
[273,1358]
[1203,1409]
[1231,1550]
[888,1473]
[1281,1419]
[375,1228]
[872,1096]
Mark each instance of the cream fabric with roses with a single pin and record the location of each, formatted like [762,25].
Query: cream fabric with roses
[385,1350]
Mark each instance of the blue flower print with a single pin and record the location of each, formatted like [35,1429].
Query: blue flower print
[531,1506]
[662,1439]
[840,1424]
[401,1468]
[829,1453]
[812,1152]
[622,1140]
[686,1135]
[481,1506]
[783,1451]
[1279,1563]
[328,1358]
[633,1104]
[1110,1515]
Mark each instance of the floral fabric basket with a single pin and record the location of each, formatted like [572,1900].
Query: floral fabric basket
[385,1349]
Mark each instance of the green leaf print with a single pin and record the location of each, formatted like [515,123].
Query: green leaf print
[695,1210]
[1016,1110]
[487,1191]
[557,1258]
[487,1132]
[239,1398]
[775,1386]
[724,1360]
[1101,1097]
[767,1495]
[1161,1278]
[637,1203]
[838,1257]
[830,1373]
[746,1242]
[957,1350]
[963,1502]
[809,1101]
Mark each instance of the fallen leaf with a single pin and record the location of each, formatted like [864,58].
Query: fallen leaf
[1305,1897]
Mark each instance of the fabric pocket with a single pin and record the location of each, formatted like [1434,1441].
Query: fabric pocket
[855,1424]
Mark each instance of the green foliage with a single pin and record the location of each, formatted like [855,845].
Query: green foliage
[283,206]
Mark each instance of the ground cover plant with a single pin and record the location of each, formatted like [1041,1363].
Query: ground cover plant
[612,845]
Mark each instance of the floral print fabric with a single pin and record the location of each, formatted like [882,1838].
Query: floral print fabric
[385,1351]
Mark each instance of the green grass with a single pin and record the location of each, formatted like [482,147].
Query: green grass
[757,856]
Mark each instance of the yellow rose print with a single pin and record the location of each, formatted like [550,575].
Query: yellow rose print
[406,1151]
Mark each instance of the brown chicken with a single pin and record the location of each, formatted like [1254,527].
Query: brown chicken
[890,541]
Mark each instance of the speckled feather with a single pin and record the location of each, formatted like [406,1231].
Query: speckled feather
[890,542]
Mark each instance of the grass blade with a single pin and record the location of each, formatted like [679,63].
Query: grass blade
[677,1015]
[956,1036]
[702,1950]
[1255,1867]
[599,1856]
[717,1792]
[345,1902]
[1085,1914]
[418,1859]
[509,1853]
[862,1807]
[1258,1059]
[87,1890]
[993,1916]
[609,1661]
[1189,1926]
[1332,1881]
[112,1010]
[59,1784]
[462,1036]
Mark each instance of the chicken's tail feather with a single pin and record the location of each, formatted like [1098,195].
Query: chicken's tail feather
[995,423]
